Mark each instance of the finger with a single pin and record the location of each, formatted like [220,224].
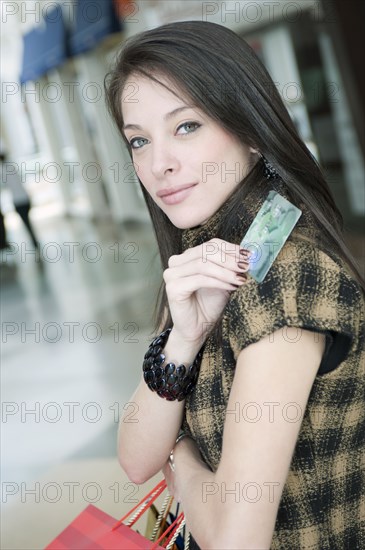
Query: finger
[187,285]
[226,273]
[216,250]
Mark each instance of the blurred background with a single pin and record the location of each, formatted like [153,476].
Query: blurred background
[79,264]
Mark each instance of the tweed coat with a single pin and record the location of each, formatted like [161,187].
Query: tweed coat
[322,506]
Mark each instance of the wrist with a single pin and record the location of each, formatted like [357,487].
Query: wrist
[180,349]
[182,435]
[170,379]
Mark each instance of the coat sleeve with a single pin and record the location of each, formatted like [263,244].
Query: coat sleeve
[305,288]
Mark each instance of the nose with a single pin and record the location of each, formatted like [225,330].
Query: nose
[164,159]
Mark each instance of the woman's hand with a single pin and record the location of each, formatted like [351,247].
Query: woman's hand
[170,481]
[185,450]
[199,282]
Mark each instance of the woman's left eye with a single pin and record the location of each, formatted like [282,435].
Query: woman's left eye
[190,123]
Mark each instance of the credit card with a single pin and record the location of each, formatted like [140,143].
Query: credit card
[268,233]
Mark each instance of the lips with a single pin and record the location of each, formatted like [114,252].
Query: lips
[172,190]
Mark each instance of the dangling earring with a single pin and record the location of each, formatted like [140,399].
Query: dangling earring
[269,171]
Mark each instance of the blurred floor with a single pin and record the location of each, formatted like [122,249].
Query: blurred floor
[74,334]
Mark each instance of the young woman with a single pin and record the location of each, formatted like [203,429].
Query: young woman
[269,378]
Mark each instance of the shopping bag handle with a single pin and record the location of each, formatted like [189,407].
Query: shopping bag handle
[146,501]
[173,528]
[144,504]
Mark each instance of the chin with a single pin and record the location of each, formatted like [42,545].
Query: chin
[187,222]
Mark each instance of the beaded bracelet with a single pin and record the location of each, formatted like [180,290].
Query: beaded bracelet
[170,382]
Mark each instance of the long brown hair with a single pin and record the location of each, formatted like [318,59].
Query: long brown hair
[221,75]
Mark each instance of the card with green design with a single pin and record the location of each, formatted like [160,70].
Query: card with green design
[268,233]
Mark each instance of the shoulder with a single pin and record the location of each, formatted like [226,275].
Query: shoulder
[316,273]
[305,288]
[307,272]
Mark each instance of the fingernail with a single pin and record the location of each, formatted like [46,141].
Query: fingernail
[245,252]
[241,277]
[243,265]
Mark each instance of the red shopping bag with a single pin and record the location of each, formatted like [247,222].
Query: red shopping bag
[93,529]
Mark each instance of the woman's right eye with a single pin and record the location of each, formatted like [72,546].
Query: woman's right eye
[134,140]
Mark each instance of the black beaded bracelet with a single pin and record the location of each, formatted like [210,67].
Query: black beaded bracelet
[170,382]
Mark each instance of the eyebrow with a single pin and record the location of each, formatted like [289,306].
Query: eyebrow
[166,117]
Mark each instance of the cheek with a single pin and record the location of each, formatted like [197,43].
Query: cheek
[146,185]
[141,172]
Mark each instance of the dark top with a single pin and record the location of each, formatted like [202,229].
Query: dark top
[322,505]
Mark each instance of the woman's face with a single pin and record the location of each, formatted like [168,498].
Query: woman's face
[177,147]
